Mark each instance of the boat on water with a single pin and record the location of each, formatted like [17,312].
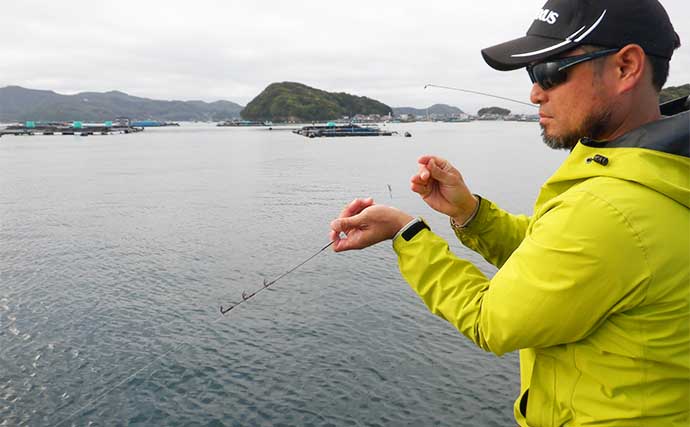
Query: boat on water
[333,130]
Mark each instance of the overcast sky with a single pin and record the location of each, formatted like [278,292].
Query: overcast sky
[225,49]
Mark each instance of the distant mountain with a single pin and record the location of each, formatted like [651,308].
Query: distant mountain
[436,109]
[20,104]
[289,101]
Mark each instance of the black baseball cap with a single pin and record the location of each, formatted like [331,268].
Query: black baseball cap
[562,25]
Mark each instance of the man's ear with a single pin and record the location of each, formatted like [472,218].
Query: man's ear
[631,66]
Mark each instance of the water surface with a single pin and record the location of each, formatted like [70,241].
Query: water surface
[116,251]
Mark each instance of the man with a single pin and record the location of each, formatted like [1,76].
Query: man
[594,288]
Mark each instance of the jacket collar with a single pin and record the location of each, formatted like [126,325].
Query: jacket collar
[669,135]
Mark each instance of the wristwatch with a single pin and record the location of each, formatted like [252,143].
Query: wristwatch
[412,228]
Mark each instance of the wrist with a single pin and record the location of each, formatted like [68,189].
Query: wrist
[463,220]
[403,222]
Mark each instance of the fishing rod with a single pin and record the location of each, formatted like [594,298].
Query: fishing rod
[481,93]
[267,285]
[668,108]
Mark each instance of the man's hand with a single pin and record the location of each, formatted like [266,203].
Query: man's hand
[366,223]
[443,189]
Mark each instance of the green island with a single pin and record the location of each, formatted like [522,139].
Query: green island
[673,92]
[296,102]
[498,111]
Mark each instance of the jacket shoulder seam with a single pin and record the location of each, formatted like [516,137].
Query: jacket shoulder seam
[634,232]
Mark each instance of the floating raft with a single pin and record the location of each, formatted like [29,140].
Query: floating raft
[151,124]
[341,130]
[243,123]
[66,129]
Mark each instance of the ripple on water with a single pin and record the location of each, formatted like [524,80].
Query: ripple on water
[114,266]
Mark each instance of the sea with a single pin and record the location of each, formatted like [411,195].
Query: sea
[117,251]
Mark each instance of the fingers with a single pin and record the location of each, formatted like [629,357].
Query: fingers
[433,167]
[373,225]
[422,176]
[442,171]
[352,227]
[344,245]
[422,190]
[439,161]
[423,160]
[342,223]
[356,206]
[424,173]
[432,170]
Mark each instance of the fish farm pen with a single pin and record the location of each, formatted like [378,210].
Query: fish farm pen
[75,128]
[341,131]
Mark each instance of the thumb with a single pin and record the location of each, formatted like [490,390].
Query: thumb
[344,224]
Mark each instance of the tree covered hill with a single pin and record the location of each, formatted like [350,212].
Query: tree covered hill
[21,104]
[289,101]
[498,111]
[673,92]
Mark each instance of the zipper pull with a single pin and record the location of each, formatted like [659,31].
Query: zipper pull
[598,158]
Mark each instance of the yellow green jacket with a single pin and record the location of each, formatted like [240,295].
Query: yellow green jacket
[593,289]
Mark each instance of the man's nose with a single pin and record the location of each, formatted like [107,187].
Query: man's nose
[537,94]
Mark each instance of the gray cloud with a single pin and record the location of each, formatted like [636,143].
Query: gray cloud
[210,49]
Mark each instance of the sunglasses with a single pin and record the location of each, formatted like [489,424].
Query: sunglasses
[550,74]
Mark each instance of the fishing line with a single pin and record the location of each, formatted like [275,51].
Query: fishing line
[481,93]
[246,297]
[179,345]
[105,393]
[176,347]
[128,378]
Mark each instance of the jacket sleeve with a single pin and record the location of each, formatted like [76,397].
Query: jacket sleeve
[493,233]
[579,263]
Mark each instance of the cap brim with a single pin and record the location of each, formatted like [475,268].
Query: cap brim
[521,52]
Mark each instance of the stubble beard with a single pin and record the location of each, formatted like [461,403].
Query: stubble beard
[594,126]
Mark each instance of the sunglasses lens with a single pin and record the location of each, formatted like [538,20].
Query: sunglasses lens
[547,75]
